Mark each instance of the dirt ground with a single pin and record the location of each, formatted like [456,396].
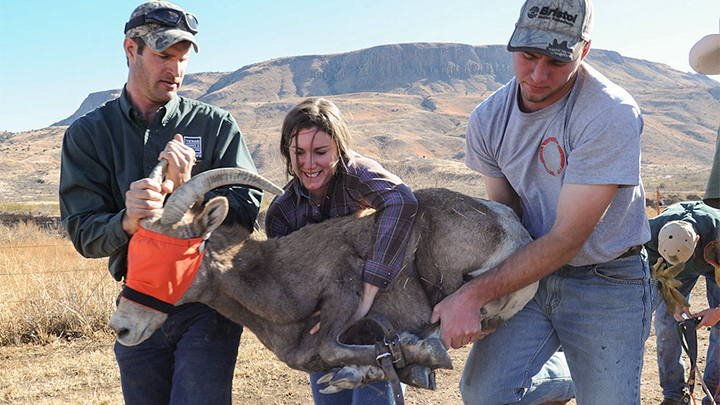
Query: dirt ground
[84,372]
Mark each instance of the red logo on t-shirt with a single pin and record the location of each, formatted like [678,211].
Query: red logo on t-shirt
[552,156]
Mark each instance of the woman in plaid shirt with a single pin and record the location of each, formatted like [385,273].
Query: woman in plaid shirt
[330,180]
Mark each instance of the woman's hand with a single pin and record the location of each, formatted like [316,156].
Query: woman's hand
[680,311]
[366,300]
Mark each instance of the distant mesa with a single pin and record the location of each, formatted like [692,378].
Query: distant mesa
[422,69]
[408,106]
[90,103]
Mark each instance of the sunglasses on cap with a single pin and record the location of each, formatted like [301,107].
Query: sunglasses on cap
[164,16]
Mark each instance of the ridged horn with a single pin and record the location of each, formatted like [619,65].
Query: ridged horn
[187,194]
[159,171]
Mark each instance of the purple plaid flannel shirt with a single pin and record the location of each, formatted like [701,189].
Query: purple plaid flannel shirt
[361,184]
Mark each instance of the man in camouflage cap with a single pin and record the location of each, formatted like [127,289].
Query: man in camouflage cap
[105,191]
[156,35]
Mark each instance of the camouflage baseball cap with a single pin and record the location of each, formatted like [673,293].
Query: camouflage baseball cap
[556,28]
[156,35]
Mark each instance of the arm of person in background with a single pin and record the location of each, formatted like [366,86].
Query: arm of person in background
[459,312]
[500,190]
[709,316]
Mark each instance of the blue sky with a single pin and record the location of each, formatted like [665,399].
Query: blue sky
[54,53]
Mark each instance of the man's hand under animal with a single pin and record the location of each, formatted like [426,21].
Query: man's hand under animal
[459,319]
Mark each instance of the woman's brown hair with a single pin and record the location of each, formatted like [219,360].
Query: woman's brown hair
[314,112]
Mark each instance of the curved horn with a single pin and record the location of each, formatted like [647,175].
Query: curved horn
[159,171]
[196,187]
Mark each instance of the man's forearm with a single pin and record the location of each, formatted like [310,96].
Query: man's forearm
[529,264]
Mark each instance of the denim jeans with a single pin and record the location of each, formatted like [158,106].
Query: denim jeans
[669,352]
[599,314]
[377,393]
[189,360]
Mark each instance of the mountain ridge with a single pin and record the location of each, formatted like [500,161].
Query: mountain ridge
[407,106]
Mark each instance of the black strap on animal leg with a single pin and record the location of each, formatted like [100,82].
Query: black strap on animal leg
[385,361]
[377,328]
[688,339]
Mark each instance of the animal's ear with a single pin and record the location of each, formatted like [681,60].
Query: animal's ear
[213,214]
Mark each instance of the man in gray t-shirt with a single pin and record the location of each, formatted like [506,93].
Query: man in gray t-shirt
[560,144]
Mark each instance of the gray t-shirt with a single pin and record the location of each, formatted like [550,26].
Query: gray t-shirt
[591,136]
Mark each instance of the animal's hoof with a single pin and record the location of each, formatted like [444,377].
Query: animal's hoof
[330,389]
[441,356]
[418,376]
[429,352]
[345,378]
[350,377]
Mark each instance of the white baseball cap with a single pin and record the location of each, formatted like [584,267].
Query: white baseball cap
[705,55]
[676,241]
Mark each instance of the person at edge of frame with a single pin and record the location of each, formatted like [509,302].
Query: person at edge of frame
[704,58]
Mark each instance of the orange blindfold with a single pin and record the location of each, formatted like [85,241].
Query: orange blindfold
[160,268]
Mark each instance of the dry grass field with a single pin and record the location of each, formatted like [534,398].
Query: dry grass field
[55,347]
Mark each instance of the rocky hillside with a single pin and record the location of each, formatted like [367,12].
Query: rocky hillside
[408,106]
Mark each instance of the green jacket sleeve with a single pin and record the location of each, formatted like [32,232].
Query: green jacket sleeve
[90,209]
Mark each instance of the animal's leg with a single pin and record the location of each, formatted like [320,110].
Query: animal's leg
[336,354]
[421,355]
[361,349]
[334,313]
[351,377]
[429,352]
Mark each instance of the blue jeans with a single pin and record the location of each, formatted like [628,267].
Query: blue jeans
[599,314]
[669,352]
[189,360]
[377,393]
